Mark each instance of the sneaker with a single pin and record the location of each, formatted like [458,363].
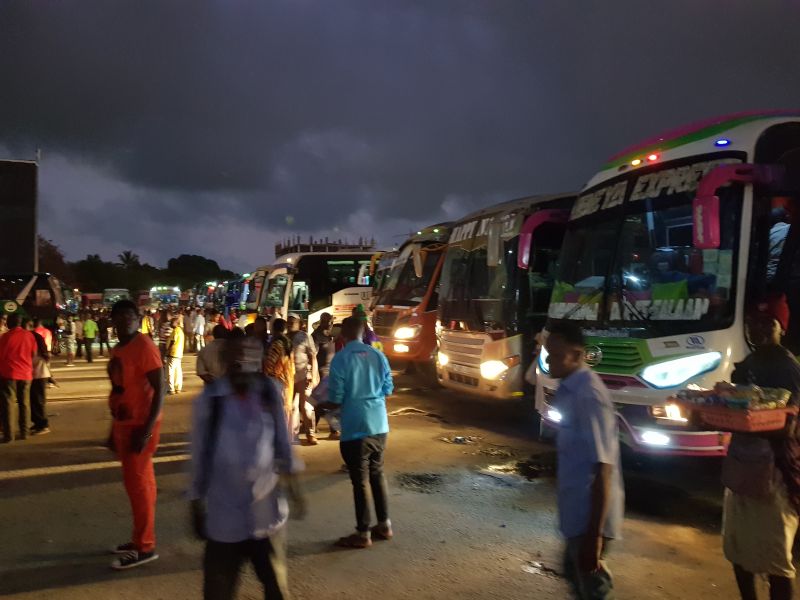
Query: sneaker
[124,548]
[312,439]
[40,430]
[132,559]
[354,540]
[382,532]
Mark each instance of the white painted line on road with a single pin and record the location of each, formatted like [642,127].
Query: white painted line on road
[62,469]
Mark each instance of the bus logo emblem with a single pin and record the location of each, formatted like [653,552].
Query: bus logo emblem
[695,341]
[10,307]
[593,355]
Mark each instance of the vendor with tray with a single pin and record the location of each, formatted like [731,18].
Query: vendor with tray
[761,472]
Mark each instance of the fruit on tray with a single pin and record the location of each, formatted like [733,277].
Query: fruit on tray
[744,397]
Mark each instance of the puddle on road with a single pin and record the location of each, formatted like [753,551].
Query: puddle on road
[536,568]
[535,467]
[407,411]
[424,483]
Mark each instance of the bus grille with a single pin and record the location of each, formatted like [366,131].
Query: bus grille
[383,322]
[620,354]
[463,379]
[462,349]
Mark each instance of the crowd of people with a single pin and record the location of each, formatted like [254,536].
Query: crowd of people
[269,383]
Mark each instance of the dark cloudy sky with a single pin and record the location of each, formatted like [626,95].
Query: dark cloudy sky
[217,127]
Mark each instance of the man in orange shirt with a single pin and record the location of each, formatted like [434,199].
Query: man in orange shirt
[17,349]
[137,395]
[46,334]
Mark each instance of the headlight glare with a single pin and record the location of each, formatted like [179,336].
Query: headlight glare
[672,373]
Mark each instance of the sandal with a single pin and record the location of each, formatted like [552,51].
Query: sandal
[382,532]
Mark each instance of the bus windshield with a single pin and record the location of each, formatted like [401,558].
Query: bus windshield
[633,266]
[11,286]
[276,292]
[402,286]
[481,297]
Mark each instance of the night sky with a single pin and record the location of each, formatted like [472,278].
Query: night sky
[215,128]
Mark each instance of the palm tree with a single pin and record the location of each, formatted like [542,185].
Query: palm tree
[128,259]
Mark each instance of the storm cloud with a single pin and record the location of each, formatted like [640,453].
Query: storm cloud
[219,127]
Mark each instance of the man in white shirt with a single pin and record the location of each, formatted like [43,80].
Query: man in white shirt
[210,365]
[199,330]
[306,376]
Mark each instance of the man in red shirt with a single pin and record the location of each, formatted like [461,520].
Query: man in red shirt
[137,394]
[17,349]
[46,334]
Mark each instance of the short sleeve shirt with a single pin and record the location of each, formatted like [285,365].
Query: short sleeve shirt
[17,348]
[131,394]
[588,434]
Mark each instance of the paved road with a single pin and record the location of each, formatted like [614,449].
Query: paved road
[468,524]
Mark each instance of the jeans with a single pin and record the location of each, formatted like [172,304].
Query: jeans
[14,406]
[39,403]
[588,586]
[107,345]
[89,342]
[364,460]
[223,561]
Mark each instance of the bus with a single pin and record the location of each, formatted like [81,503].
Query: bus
[495,287]
[308,284]
[666,249]
[35,295]
[405,309]
[112,295]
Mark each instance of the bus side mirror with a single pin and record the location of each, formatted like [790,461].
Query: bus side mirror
[705,216]
[494,242]
[418,260]
[531,224]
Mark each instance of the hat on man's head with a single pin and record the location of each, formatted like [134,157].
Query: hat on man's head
[774,306]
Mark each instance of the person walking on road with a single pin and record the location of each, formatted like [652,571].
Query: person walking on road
[306,376]
[41,376]
[175,347]
[90,330]
[326,349]
[241,463]
[148,324]
[103,325]
[43,331]
[761,472]
[17,351]
[68,339]
[590,492]
[137,396]
[359,381]
[279,365]
[210,365]
[78,336]
[198,331]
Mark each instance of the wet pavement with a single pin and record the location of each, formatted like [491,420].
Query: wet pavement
[471,498]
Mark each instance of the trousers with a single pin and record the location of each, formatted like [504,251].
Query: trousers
[364,460]
[140,484]
[588,586]
[14,406]
[223,562]
[175,374]
[39,403]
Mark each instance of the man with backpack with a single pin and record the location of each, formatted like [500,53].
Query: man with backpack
[242,464]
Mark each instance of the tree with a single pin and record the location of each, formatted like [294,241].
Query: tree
[51,260]
[128,260]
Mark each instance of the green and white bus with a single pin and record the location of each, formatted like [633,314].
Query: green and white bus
[666,249]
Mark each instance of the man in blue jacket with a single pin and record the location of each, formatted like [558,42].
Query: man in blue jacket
[359,381]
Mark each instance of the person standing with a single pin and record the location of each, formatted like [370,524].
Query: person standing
[89,334]
[78,336]
[17,351]
[41,375]
[164,333]
[188,330]
[359,381]
[147,326]
[279,365]
[761,472]
[241,462]
[304,355]
[326,349]
[210,365]
[175,348]
[47,335]
[103,325]
[3,324]
[590,491]
[137,396]
[199,330]
[68,339]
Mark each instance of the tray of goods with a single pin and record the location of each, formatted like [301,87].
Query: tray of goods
[747,408]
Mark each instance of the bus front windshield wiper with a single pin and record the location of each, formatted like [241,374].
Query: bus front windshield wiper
[639,316]
[587,299]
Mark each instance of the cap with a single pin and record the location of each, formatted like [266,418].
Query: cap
[294,316]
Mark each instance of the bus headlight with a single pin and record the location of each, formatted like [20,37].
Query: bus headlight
[674,372]
[655,438]
[669,412]
[494,369]
[543,366]
[443,359]
[407,332]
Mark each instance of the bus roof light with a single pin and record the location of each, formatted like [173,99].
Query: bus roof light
[652,157]
[722,142]
[636,162]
